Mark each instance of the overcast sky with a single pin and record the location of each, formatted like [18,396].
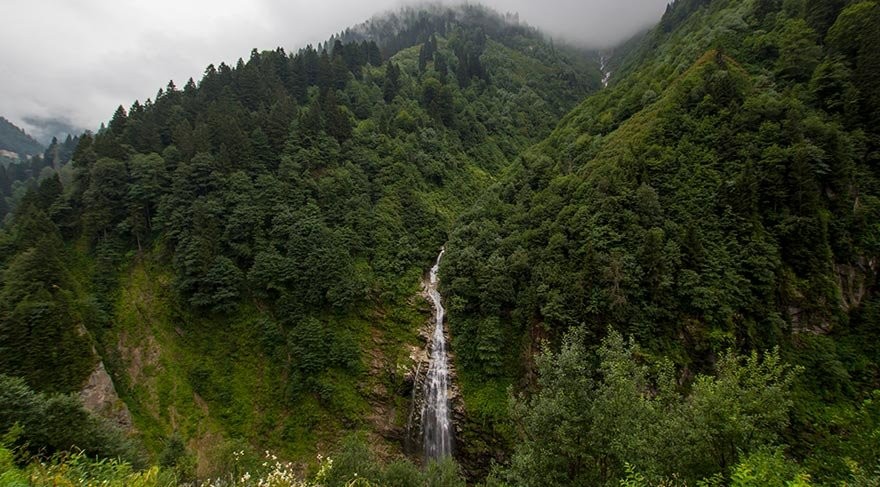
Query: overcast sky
[78,60]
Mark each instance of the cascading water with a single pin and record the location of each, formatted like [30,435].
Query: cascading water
[436,425]
[606,75]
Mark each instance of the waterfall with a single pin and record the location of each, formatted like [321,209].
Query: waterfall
[436,425]
[606,75]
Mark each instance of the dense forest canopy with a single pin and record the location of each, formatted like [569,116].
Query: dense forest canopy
[241,252]
[667,281]
[22,174]
[720,195]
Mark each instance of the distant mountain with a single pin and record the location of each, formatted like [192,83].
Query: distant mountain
[44,129]
[16,140]
[395,31]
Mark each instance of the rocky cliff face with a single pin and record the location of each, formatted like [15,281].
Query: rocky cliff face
[99,396]
[855,281]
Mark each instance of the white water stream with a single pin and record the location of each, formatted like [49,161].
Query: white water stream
[606,75]
[436,425]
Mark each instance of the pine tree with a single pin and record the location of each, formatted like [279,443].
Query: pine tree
[338,124]
[118,122]
[423,58]
[392,82]
[373,54]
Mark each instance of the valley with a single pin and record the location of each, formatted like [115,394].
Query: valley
[657,262]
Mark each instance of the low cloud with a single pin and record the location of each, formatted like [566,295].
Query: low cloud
[73,63]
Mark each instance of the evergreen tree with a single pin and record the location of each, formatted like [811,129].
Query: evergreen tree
[338,124]
[119,121]
[392,82]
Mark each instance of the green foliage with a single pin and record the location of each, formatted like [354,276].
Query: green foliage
[353,467]
[354,461]
[250,240]
[107,188]
[315,349]
[10,475]
[81,471]
[798,52]
[174,457]
[307,190]
[768,468]
[710,199]
[148,181]
[356,465]
[854,34]
[20,175]
[585,427]
[49,423]
[266,187]
[42,338]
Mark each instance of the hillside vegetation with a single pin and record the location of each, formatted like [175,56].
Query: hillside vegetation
[16,140]
[243,254]
[720,197]
[670,281]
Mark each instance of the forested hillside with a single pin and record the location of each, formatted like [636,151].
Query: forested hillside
[243,254]
[719,198]
[668,281]
[16,140]
[18,176]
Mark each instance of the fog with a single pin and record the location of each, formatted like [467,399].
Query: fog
[70,64]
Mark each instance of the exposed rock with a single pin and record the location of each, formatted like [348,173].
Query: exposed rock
[138,355]
[139,359]
[854,281]
[99,396]
[415,380]
[803,322]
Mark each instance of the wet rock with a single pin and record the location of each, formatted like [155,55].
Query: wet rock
[418,376]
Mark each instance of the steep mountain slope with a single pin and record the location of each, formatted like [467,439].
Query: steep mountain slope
[16,140]
[243,255]
[721,194]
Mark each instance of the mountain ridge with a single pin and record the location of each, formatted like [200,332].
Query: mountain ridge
[16,141]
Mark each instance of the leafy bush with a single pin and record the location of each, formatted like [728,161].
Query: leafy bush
[53,423]
[585,425]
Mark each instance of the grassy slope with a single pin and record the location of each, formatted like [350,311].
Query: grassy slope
[211,380]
